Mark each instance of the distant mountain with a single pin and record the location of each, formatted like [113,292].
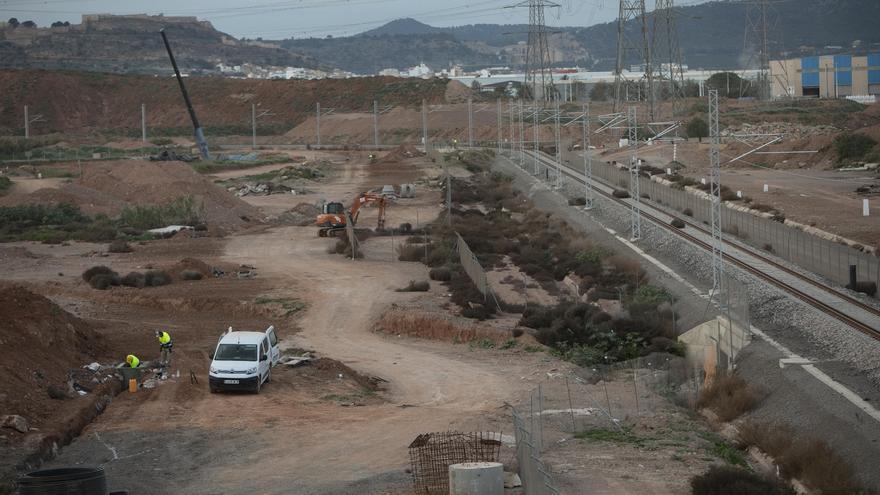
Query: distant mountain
[407,26]
[132,44]
[711,36]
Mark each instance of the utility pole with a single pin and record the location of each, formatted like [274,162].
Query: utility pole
[588,161]
[376,124]
[143,123]
[666,48]
[318,121]
[558,146]
[629,10]
[522,138]
[470,108]
[254,118]
[715,193]
[535,121]
[198,133]
[636,213]
[511,120]
[28,120]
[425,124]
[538,76]
[500,126]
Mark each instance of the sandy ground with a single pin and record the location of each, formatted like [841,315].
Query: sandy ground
[823,198]
[315,429]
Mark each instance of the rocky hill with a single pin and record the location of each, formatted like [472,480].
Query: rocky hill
[132,44]
[711,36]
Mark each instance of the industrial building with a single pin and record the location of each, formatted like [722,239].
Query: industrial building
[828,76]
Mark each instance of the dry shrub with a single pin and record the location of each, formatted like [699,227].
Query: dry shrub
[435,327]
[134,279]
[730,397]
[620,193]
[191,275]
[102,282]
[97,270]
[410,252]
[579,201]
[729,480]
[119,246]
[156,278]
[440,274]
[422,286]
[812,461]
[687,211]
[677,223]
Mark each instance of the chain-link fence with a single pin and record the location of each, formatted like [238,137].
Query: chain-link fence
[474,270]
[607,397]
[824,257]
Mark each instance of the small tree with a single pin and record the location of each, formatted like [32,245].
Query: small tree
[13,22]
[476,86]
[29,24]
[698,128]
[853,147]
[602,91]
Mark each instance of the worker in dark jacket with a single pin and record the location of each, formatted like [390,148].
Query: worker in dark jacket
[165,346]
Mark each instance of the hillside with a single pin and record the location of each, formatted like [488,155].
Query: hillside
[132,44]
[82,102]
[711,36]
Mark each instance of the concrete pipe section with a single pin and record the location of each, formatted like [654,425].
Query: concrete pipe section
[476,478]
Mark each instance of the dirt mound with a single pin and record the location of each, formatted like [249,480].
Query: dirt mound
[300,215]
[457,92]
[39,344]
[108,187]
[402,152]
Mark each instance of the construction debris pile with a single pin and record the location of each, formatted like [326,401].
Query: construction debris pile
[172,156]
[263,189]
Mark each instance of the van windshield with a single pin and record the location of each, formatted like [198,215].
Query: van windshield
[236,352]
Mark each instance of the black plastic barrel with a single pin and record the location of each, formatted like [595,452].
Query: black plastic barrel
[64,481]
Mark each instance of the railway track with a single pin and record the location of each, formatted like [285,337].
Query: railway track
[735,254]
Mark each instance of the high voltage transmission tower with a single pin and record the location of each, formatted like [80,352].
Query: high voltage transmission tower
[666,50]
[538,75]
[756,44]
[626,45]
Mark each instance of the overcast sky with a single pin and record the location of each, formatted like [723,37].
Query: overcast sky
[275,19]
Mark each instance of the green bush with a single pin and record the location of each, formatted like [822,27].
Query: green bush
[5,183]
[182,211]
[853,147]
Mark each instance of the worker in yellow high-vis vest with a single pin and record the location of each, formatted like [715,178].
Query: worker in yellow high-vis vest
[132,361]
[165,346]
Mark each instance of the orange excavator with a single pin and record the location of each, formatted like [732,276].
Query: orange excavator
[331,220]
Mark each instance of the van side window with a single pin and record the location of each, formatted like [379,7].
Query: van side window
[265,346]
[273,340]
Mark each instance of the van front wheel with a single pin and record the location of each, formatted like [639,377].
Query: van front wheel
[257,387]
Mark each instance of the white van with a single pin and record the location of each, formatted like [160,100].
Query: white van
[243,360]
